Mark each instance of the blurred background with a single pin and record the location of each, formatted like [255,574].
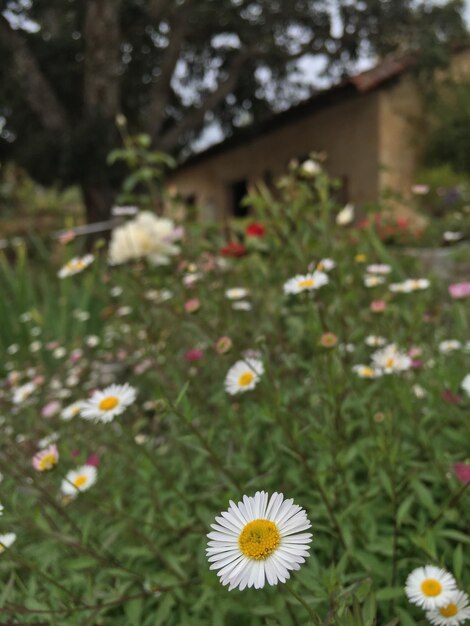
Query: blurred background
[198,100]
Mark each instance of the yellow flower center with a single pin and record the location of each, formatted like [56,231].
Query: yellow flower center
[449,611]
[75,265]
[360,258]
[259,539]
[47,462]
[389,363]
[368,372]
[245,379]
[109,403]
[80,481]
[431,587]
[306,283]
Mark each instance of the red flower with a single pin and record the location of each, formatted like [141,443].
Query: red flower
[255,230]
[450,397]
[233,248]
[194,355]
[462,471]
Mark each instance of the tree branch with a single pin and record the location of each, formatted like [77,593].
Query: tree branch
[38,91]
[102,34]
[160,95]
[195,116]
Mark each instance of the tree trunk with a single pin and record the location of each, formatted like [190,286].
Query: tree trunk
[98,199]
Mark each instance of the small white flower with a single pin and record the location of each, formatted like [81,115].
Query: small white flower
[13,349]
[452,235]
[23,393]
[243,376]
[59,352]
[92,341]
[366,371]
[346,215]
[71,411]
[242,305]
[419,391]
[104,405]
[449,345]
[259,540]
[465,384]
[116,292]
[6,541]
[81,316]
[236,293]
[310,168]
[26,317]
[46,441]
[78,480]
[309,282]
[430,587]
[391,360]
[374,341]
[75,266]
[372,280]
[378,268]
[35,346]
[456,611]
[326,265]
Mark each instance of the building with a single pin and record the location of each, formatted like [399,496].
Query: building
[370,126]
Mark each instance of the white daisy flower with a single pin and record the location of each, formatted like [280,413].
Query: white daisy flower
[77,480]
[75,265]
[416,284]
[23,393]
[236,293]
[326,265]
[258,541]
[456,611]
[309,282]
[71,411]
[1,509]
[243,376]
[390,359]
[379,268]
[104,405]
[430,587]
[46,441]
[449,345]
[374,341]
[465,384]
[6,541]
[366,371]
[398,288]
[372,280]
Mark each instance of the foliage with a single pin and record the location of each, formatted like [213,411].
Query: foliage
[369,461]
[144,185]
[450,136]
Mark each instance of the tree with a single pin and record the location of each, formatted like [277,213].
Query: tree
[68,67]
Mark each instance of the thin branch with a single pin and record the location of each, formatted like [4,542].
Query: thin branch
[161,89]
[195,117]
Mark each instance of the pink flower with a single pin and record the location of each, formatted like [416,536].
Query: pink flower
[66,236]
[76,355]
[193,305]
[46,459]
[378,306]
[414,352]
[93,460]
[459,290]
[39,380]
[416,364]
[462,471]
[223,344]
[193,355]
[50,409]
